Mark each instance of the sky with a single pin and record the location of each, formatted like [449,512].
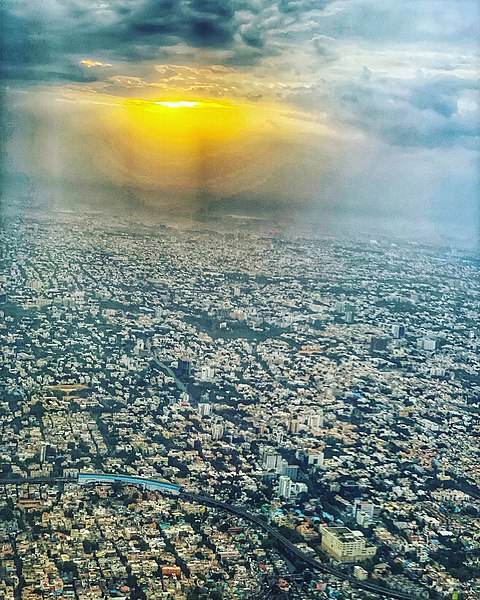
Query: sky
[304,110]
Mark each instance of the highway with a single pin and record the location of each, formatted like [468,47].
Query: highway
[286,545]
[292,550]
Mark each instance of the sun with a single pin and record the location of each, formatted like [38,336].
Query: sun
[172,143]
[182,122]
[177,104]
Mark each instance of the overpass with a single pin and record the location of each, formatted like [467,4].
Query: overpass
[284,544]
[292,550]
[98,478]
[144,482]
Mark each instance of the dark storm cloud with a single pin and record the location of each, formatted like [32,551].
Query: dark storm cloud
[252,35]
[26,53]
[208,23]
[49,33]
[56,32]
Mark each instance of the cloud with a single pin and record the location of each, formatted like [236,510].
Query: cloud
[53,33]
[408,21]
[396,76]
[208,23]
[50,33]
[323,46]
[430,113]
[301,6]
[252,35]
[93,64]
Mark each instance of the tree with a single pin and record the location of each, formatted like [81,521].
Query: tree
[37,410]
[291,534]
[69,567]
[397,568]
[6,514]
[89,547]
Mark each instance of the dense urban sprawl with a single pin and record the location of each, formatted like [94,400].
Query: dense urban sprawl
[330,386]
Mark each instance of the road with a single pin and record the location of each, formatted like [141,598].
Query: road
[181,386]
[286,545]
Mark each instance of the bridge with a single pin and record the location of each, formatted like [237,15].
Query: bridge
[294,553]
[144,482]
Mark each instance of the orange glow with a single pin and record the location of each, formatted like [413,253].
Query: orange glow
[183,124]
[181,143]
[187,142]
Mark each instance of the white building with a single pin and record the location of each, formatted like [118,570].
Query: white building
[345,545]
[363,510]
[217,431]
[204,409]
[285,487]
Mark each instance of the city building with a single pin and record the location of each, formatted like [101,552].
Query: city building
[345,545]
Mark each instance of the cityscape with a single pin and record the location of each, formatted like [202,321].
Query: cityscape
[239,300]
[275,416]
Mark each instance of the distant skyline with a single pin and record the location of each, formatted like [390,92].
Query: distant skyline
[302,109]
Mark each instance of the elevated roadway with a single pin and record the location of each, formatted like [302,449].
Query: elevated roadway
[285,545]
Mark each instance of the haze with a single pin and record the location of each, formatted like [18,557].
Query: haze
[308,111]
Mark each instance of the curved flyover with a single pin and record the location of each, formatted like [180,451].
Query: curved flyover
[163,486]
[149,484]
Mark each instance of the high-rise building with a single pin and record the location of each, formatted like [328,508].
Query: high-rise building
[398,331]
[363,505]
[270,459]
[184,367]
[314,458]
[43,453]
[285,487]
[299,488]
[315,421]
[422,554]
[294,425]
[291,471]
[429,344]
[360,573]
[207,373]
[378,344]
[363,510]
[204,409]
[217,431]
